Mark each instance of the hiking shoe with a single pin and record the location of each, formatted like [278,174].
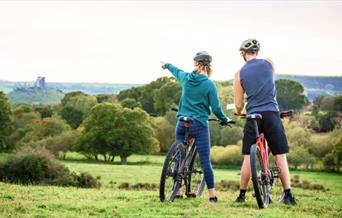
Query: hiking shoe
[240,199]
[190,195]
[213,199]
[288,199]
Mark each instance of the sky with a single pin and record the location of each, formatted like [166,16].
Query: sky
[124,41]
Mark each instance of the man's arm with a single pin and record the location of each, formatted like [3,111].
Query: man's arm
[238,94]
[271,62]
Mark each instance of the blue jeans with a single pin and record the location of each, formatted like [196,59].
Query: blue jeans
[202,142]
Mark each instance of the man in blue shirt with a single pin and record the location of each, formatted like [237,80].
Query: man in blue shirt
[256,80]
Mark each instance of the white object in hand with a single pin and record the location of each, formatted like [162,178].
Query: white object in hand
[230,106]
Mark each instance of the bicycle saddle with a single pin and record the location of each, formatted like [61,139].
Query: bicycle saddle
[185,119]
[253,116]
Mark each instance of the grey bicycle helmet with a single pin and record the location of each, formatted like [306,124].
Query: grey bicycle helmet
[203,58]
[250,45]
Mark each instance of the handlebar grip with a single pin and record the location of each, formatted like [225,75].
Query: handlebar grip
[231,122]
[240,115]
[174,109]
[213,119]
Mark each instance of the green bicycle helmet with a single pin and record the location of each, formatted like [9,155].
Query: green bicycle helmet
[203,57]
[250,45]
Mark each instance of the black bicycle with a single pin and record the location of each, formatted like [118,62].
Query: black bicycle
[182,164]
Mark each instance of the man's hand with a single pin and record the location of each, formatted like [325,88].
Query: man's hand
[227,122]
[163,65]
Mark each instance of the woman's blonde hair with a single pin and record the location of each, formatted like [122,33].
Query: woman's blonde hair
[199,67]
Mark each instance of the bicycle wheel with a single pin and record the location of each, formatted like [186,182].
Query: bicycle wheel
[170,181]
[195,179]
[260,184]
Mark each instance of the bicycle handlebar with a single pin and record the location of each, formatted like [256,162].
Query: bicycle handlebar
[212,119]
[282,114]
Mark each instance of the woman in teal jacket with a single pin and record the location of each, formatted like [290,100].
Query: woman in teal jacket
[198,95]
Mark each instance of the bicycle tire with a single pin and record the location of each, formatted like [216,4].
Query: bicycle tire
[261,189]
[164,194]
[195,180]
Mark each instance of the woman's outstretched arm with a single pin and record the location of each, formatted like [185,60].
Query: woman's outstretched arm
[176,72]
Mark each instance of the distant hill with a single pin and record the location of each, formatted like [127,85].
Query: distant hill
[35,96]
[317,85]
[314,86]
[40,92]
[89,88]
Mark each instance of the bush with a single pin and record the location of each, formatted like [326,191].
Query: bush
[31,166]
[138,186]
[230,136]
[299,136]
[229,155]
[321,145]
[85,180]
[39,166]
[58,145]
[329,162]
[300,156]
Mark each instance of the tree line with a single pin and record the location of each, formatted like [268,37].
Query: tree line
[139,120]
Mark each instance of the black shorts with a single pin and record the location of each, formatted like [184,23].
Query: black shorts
[274,132]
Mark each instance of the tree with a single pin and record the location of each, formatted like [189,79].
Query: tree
[138,135]
[72,116]
[130,103]
[337,152]
[23,117]
[111,98]
[327,121]
[155,98]
[47,127]
[327,110]
[5,121]
[165,133]
[44,111]
[290,94]
[167,96]
[75,107]
[111,130]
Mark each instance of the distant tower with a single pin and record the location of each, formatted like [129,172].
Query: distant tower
[40,82]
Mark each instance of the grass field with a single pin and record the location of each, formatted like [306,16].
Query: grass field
[109,201]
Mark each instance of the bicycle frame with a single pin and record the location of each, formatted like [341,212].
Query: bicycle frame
[263,148]
[189,146]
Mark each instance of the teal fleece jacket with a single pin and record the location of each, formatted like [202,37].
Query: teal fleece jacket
[198,95]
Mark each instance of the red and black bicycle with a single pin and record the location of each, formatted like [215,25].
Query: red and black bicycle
[263,176]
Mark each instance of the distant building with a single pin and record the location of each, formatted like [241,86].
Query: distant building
[40,82]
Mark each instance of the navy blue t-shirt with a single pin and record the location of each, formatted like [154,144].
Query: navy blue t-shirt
[257,79]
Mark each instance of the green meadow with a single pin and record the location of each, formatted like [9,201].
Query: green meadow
[112,201]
